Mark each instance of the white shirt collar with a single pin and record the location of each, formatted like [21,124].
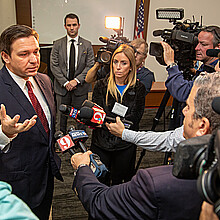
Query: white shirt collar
[76,39]
[19,80]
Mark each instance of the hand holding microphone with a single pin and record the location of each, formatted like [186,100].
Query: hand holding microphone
[116,128]
[75,139]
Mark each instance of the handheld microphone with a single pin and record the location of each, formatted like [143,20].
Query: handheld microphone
[68,110]
[213,53]
[65,143]
[98,116]
[79,137]
[90,104]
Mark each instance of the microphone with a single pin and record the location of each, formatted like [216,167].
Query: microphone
[65,143]
[157,33]
[98,116]
[78,137]
[213,53]
[90,104]
[68,110]
[216,104]
[104,39]
[96,165]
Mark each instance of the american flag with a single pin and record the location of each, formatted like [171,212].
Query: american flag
[139,29]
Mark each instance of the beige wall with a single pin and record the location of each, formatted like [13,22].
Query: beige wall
[7,15]
[208,9]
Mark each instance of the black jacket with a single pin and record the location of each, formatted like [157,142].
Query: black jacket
[134,99]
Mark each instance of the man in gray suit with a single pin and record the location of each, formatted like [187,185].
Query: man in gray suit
[71,58]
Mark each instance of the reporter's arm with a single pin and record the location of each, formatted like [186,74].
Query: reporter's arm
[155,141]
[91,74]
[124,201]
[79,159]
[178,87]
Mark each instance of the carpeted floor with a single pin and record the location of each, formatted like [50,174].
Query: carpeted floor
[66,204]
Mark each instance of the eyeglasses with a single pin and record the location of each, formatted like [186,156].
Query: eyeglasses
[140,53]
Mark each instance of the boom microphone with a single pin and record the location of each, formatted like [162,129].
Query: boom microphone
[157,33]
[213,53]
[104,39]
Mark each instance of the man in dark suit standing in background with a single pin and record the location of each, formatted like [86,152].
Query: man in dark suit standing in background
[27,160]
[71,58]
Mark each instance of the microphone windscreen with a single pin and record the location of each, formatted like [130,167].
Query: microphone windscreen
[157,33]
[63,108]
[104,39]
[213,52]
[71,128]
[86,113]
[58,135]
[216,104]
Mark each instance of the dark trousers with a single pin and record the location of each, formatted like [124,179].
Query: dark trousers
[120,163]
[43,210]
[72,100]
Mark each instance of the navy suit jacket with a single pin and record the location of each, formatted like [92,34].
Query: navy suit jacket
[26,165]
[153,193]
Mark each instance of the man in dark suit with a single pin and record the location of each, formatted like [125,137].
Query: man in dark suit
[27,160]
[153,193]
[71,57]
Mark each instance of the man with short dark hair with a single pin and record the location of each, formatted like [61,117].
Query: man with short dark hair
[71,57]
[153,193]
[28,161]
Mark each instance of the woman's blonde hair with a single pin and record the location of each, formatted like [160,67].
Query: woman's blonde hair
[131,78]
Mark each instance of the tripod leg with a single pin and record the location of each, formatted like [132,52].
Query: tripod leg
[159,113]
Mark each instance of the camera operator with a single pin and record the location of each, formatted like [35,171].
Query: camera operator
[179,88]
[144,75]
[153,193]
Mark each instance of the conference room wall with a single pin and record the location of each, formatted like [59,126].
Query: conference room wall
[7,15]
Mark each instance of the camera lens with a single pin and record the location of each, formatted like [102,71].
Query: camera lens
[105,57]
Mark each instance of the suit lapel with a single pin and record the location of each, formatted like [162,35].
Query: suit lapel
[80,50]
[64,50]
[18,94]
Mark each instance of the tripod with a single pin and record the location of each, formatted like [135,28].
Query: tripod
[172,125]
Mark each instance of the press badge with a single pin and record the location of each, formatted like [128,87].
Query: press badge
[119,109]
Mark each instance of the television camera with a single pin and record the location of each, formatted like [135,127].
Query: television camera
[199,158]
[182,38]
[104,54]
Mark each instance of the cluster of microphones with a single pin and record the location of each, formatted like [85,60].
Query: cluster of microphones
[92,115]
